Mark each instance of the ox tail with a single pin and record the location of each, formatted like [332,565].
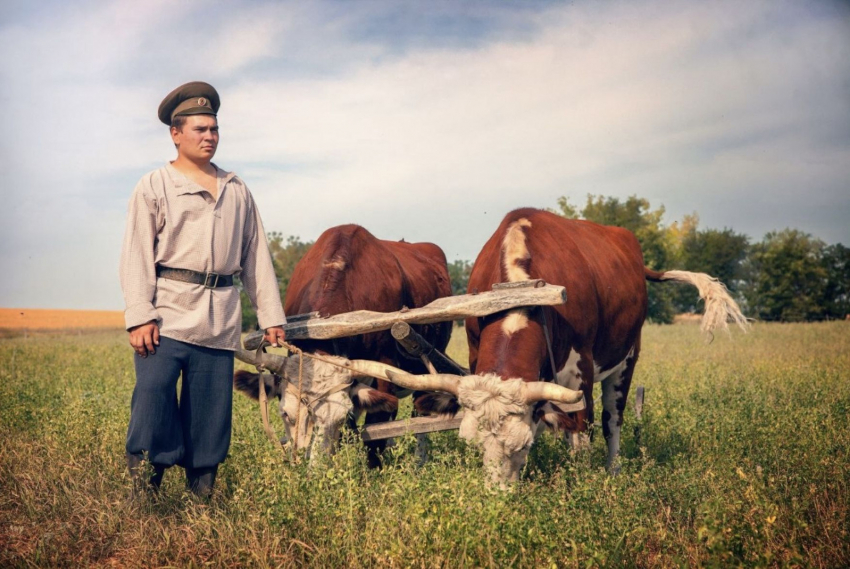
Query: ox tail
[720,307]
[249,384]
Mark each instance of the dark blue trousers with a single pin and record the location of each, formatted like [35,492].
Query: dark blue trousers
[194,433]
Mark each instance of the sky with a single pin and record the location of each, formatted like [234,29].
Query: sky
[427,121]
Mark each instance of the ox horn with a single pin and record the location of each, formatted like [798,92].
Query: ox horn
[433,382]
[544,391]
[271,362]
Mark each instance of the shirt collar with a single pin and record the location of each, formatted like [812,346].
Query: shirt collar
[184,185]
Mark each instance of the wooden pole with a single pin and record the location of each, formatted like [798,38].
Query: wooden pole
[415,425]
[441,310]
[417,346]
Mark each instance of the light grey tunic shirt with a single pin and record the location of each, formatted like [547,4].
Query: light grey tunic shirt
[174,222]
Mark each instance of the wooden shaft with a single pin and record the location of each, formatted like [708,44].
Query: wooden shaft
[533,283]
[416,425]
[441,310]
[417,346]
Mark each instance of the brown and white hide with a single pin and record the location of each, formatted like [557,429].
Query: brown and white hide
[595,335]
[349,269]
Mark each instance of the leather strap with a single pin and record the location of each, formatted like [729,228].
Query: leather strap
[208,280]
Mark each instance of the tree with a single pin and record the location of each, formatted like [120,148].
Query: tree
[285,255]
[836,263]
[786,278]
[459,271]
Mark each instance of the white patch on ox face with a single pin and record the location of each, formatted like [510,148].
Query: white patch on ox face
[497,418]
[514,249]
[306,410]
[515,321]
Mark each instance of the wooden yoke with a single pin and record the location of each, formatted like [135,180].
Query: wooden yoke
[441,310]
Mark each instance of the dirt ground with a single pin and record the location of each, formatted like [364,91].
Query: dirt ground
[47,319]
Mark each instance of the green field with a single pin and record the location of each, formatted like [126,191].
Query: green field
[743,461]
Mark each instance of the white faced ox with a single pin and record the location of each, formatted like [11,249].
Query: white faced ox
[316,398]
[593,337]
[498,414]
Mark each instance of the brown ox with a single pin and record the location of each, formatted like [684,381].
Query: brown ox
[350,269]
[595,335]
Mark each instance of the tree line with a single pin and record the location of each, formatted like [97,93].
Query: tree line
[788,276]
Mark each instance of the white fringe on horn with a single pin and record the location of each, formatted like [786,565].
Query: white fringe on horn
[720,307]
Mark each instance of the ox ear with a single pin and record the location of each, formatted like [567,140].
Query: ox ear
[368,399]
[437,403]
[249,384]
[555,418]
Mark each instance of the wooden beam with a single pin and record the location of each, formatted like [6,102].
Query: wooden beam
[532,283]
[302,317]
[441,310]
[417,346]
[415,425]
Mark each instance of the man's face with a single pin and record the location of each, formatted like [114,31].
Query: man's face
[198,139]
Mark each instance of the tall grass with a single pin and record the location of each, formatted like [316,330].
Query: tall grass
[743,461]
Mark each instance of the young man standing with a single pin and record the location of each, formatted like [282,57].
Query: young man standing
[190,228]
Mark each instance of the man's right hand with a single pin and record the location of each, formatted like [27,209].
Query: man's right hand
[144,337]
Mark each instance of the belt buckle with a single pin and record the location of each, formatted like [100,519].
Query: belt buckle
[207,280]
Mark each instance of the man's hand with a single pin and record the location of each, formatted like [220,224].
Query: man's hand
[144,337]
[274,335]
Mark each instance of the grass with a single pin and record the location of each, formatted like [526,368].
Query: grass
[743,461]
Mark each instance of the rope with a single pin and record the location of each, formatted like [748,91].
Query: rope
[549,345]
[264,402]
[264,412]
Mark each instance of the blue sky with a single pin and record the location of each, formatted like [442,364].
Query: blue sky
[419,120]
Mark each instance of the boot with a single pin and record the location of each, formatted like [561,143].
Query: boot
[144,481]
[201,480]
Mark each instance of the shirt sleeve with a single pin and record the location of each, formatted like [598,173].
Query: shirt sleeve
[258,276]
[137,267]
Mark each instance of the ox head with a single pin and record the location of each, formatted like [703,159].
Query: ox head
[316,396]
[498,414]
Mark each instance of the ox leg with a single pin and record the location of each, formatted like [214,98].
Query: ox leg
[578,374]
[423,446]
[615,391]
[374,449]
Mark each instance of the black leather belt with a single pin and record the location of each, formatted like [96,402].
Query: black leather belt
[209,280]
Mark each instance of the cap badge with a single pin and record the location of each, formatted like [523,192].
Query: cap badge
[202,102]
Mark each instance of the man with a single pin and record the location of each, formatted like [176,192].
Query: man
[190,228]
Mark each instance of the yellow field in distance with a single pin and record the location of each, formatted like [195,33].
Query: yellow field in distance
[49,319]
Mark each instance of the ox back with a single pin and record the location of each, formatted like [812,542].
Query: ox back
[349,269]
[595,335]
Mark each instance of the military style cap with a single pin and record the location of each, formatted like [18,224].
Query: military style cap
[195,98]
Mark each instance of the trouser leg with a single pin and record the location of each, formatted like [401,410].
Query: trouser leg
[206,406]
[201,480]
[154,432]
[145,478]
